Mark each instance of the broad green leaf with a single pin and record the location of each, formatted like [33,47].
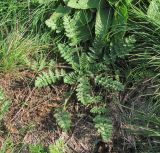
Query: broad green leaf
[119,29]
[103,20]
[45,1]
[117,2]
[103,23]
[83,4]
[53,21]
[76,30]
[82,17]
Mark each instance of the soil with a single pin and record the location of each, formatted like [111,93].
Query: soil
[30,119]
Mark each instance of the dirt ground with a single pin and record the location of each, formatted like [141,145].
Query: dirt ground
[30,119]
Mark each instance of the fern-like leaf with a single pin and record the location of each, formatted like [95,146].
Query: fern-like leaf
[71,78]
[98,110]
[48,78]
[109,83]
[68,53]
[63,119]
[57,147]
[84,91]
[36,148]
[45,79]
[84,63]
[55,22]
[104,126]
[74,30]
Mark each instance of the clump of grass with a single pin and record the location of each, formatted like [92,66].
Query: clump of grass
[144,65]
[16,51]
[145,125]
[22,32]
[29,12]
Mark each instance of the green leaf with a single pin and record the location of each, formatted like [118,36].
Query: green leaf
[99,110]
[119,28]
[103,19]
[109,83]
[83,4]
[71,78]
[128,2]
[83,62]
[153,11]
[68,53]
[113,2]
[120,17]
[46,79]
[102,26]
[82,17]
[76,28]
[104,126]
[36,148]
[63,119]
[117,2]
[57,147]
[46,1]
[54,21]
[84,91]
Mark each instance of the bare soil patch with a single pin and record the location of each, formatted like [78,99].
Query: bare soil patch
[30,118]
